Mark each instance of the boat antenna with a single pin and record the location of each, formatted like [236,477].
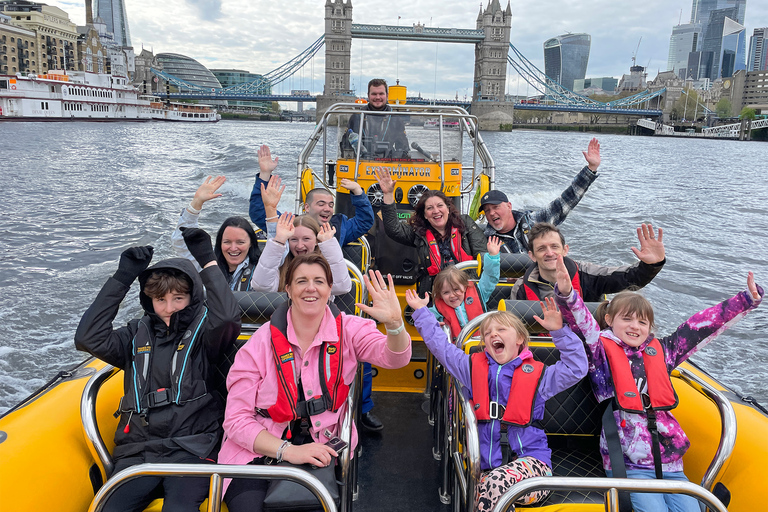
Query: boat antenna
[397,50]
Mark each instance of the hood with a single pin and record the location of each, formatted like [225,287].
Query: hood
[197,292]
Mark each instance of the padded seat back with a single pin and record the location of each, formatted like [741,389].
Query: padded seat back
[359,253]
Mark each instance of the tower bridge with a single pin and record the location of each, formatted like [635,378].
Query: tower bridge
[493,53]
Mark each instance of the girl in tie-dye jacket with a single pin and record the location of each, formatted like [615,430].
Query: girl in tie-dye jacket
[627,321]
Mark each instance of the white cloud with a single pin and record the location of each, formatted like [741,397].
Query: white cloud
[261,35]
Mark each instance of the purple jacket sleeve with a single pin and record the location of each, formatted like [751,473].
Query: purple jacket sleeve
[449,355]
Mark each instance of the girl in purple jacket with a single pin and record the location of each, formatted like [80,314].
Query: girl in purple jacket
[506,350]
[623,333]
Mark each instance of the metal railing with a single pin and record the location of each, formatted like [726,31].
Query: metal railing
[611,486]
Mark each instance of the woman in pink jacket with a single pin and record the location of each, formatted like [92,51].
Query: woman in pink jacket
[280,362]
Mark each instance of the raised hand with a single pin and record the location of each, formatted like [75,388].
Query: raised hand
[592,154]
[494,245]
[311,453]
[413,300]
[651,248]
[553,319]
[386,307]
[133,261]
[386,181]
[352,186]
[272,193]
[752,287]
[285,227]
[326,232]
[207,191]
[266,163]
[199,245]
[563,278]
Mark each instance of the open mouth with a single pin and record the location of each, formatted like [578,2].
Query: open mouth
[497,346]
[309,299]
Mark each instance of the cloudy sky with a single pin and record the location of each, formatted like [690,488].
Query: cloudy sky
[260,35]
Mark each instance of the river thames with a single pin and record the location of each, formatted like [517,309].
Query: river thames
[77,194]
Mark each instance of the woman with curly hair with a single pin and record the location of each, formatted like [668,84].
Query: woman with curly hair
[442,236]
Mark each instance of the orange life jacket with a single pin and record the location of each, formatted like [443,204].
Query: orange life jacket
[573,271]
[334,391]
[434,251]
[473,304]
[519,409]
[662,394]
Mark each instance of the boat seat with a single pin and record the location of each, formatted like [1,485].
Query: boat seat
[359,253]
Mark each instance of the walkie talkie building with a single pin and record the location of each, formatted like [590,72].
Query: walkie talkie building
[566,58]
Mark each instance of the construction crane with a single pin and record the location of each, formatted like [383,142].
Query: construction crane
[634,55]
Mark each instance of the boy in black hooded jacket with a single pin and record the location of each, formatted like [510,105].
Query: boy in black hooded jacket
[170,412]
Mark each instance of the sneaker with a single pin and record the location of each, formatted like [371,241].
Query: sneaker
[370,422]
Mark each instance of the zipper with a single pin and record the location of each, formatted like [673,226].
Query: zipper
[493,422]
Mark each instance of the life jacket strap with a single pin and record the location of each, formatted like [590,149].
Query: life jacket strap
[159,398]
[496,411]
[311,407]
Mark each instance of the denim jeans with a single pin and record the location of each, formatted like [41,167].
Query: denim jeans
[652,502]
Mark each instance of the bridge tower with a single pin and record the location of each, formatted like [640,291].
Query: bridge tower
[338,51]
[489,88]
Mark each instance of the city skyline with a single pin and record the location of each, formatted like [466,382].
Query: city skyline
[260,36]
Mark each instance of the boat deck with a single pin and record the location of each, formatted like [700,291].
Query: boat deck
[397,470]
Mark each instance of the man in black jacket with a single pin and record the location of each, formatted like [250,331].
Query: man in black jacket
[590,280]
[170,412]
[382,135]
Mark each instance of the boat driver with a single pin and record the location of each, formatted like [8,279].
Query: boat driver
[512,226]
[383,136]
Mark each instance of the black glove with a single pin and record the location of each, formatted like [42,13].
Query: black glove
[199,245]
[133,262]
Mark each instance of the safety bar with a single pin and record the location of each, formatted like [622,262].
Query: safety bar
[611,488]
[728,427]
[471,448]
[93,437]
[348,466]
[216,473]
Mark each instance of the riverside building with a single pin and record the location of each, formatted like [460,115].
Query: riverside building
[758,50]
[566,58]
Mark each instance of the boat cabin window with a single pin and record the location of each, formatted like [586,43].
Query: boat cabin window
[3,84]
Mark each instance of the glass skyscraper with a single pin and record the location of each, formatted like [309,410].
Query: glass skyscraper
[684,40]
[566,58]
[758,50]
[114,16]
[723,50]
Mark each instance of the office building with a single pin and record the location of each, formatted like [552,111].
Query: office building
[230,77]
[606,84]
[702,9]
[55,42]
[758,50]
[749,89]
[723,49]
[114,16]
[684,40]
[566,58]
[188,69]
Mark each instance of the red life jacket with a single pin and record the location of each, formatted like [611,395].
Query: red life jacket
[334,391]
[519,409]
[473,304]
[573,270]
[434,251]
[660,390]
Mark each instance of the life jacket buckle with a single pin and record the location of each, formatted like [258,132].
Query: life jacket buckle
[158,398]
[312,407]
[646,400]
[496,411]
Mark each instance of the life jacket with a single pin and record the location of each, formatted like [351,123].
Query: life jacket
[434,251]
[573,271]
[473,304]
[661,393]
[185,384]
[243,283]
[330,363]
[519,409]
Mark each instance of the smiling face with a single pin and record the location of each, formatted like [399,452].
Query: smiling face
[169,304]
[545,250]
[308,290]
[629,328]
[235,244]
[377,96]
[303,241]
[436,212]
[320,206]
[452,293]
[500,217]
[502,342]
